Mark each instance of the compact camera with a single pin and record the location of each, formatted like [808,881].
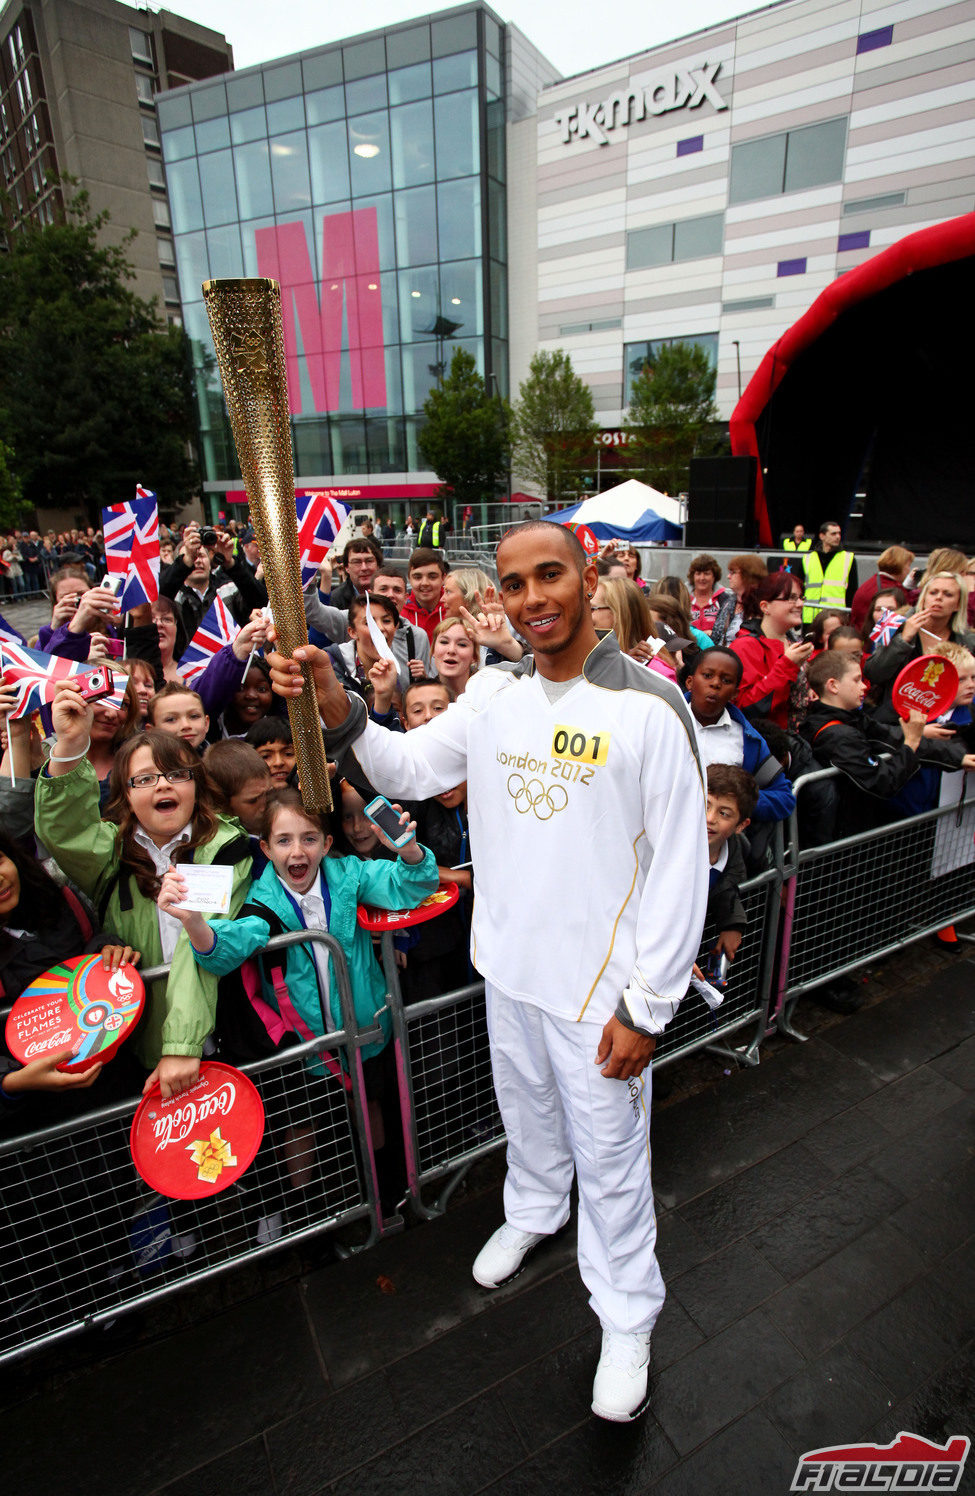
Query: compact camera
[94,684]
[716,970]
[208,537]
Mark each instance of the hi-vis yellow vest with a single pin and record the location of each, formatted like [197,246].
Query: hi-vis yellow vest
[825,586]
[790,545]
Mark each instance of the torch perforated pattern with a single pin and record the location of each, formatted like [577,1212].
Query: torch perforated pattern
[248,338]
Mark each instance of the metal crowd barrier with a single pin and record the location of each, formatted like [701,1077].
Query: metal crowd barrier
[863,897]
[449,1112]
[83,1239]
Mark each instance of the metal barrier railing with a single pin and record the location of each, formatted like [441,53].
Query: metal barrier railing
[900,882]
[83,1239]
[449,1111]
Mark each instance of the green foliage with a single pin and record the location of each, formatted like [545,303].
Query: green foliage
[12,506]
[553,425]
[465,435]
[672,415]
[96,389]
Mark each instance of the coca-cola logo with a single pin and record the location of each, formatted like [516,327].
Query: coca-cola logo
[183,1118]
[42,1046]
[924,699]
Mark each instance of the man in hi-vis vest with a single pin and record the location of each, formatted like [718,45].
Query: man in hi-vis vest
[829,572]
[798,540]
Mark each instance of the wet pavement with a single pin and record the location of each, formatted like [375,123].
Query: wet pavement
[816,1225]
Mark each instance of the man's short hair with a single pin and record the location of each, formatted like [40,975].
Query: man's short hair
[362,543]
[716,649]
[735,784]
[845,631]
[360,604]
[425,555]
[828,524]
[569,538]
[830,665]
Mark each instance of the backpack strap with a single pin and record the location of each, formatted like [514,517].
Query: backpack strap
[231,854]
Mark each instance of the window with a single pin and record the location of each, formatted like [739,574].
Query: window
[140,44]
[637,356]
[873,204]
[789,162]
[791,267]
[574,329]
[160,213]
[170,288]
[167,255]
[143,88]
[869,41]
[748,304]
[667,243]
[154,168]
[150,131]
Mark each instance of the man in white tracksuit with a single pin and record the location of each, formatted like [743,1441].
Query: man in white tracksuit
[587,824]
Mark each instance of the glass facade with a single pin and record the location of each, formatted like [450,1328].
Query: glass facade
[369,179]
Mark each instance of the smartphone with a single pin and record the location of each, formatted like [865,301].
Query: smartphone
[94,684]
[386,819]
[716,970]
[116,648]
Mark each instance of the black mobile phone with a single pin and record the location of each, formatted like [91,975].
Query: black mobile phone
[386,819]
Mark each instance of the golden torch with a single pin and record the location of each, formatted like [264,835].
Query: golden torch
[248,336]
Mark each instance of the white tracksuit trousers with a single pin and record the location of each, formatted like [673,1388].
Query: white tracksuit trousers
[560,1113]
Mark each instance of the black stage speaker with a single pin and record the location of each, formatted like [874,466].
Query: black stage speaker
[721,505]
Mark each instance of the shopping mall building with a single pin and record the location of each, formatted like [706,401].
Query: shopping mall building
[439,185]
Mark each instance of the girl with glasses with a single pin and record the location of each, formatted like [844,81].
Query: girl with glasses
[160,813]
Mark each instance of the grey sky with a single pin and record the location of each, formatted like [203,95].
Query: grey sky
[575,35]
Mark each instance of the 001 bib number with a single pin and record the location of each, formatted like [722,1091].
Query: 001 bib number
[570,743]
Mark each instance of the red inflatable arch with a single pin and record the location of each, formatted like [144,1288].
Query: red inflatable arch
[871,390]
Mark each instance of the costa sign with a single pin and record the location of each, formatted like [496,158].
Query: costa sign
[681,88]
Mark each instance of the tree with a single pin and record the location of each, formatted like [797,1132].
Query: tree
[12,504]
[671,414]
[553,425]
[465,435]
[97,391]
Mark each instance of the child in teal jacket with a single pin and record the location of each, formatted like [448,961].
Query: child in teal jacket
[303,887]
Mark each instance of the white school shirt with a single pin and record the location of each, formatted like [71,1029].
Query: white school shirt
[169,926]
[721,742]
[312,906]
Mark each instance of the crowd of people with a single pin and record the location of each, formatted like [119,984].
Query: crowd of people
[104,806]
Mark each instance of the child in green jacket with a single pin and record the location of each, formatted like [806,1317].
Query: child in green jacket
[164,813]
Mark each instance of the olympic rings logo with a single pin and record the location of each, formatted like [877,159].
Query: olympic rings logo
[545,800]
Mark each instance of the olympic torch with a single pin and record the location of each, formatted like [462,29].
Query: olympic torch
[248,337]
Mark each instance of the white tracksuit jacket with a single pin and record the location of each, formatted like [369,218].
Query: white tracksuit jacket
[587,823]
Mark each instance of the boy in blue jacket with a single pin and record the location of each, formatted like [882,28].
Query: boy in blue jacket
[725,735]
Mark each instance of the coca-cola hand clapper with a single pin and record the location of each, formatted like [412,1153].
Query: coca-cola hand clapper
[928,684]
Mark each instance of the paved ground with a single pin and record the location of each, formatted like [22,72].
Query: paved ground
[816,1220]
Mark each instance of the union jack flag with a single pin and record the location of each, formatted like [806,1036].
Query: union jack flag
[319,521]
[885,628]
[35,675]
[131,533]
[8,632]
[145,493]
[217,628]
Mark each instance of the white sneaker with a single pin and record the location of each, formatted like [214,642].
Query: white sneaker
[619,1392]
[502,1256]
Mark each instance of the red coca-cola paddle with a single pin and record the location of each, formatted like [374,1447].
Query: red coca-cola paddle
[200,1142]
[928,685]
[376,920]
[78,1005]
